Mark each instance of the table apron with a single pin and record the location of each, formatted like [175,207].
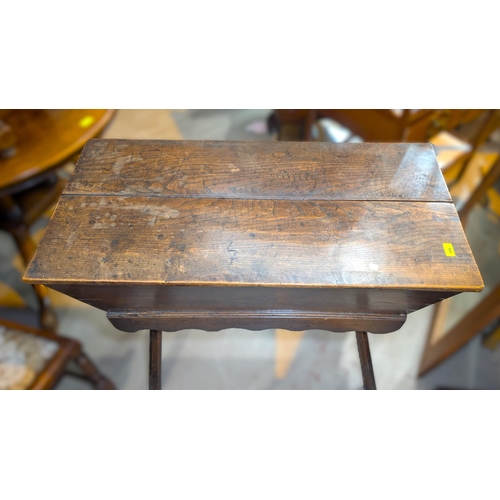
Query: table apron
[171,321]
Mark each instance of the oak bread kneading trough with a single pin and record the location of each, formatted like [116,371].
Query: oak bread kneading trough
[168,235]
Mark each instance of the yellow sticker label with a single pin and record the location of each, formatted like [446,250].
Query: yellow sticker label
[449,250]
[86,121]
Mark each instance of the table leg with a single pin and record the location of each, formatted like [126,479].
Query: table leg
[366,360]
[155,359]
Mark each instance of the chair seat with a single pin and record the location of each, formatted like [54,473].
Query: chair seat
[22,357]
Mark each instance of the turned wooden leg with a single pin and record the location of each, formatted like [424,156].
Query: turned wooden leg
[92,373]
[12,220]
[155,359]
[366,360]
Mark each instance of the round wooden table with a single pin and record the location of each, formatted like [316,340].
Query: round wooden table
[33,145]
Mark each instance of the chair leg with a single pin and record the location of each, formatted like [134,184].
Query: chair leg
[13,221]
[92,373]
[488,181]
[27,247]
[489,125]
[366,361]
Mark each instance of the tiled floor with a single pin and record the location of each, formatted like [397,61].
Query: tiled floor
[239,359]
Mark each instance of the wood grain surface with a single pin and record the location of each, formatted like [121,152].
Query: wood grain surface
[198,241]
[260,170]
[167,235]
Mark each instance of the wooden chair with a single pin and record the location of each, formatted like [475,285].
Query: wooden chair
[372,125]
[476,320]
[31,358]
[33,145]
[463,143]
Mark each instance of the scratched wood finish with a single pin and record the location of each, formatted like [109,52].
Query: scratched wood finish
[268,242]
[168,235]
[260,170]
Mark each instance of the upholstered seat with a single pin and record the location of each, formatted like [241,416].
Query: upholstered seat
[22,357]
[31,358]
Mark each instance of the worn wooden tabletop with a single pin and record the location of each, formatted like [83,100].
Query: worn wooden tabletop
[211,234]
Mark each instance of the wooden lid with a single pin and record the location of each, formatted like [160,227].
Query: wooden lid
[260,170]
[257,214]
